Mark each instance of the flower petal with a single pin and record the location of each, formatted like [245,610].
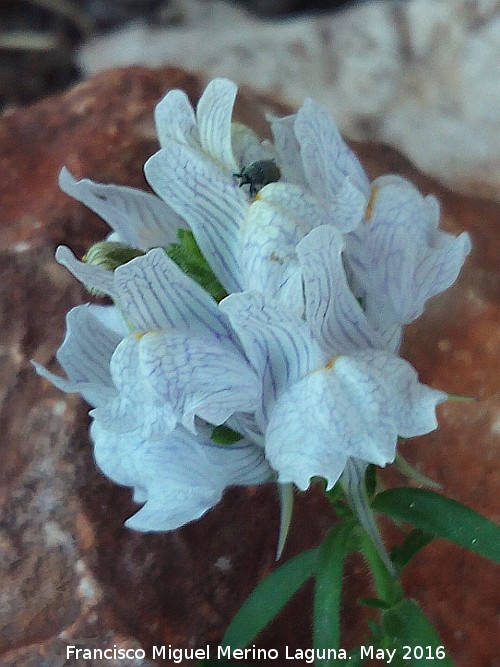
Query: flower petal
[94,277]
[326,157]
[247,146]
[334,173]
[175,119]
[268,258]
[140,219]
[209,201]
[214,113]
[157,295]
[414,403]
[332,414]
[332,310]
[180,477]
[287,149]
[399,256]
[198,376]
[88,345]
[86,352]
[136,406]
[280,347]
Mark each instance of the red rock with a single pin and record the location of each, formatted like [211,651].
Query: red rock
[70,572]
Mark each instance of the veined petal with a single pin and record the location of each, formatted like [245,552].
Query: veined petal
[440,269]
[287,149]
[414,403]
[110,317]
[334,413]
[332,311]
[327,159]
[157,295]
[208,200]
[114,454]
[135,406]
[140,219]
[347,208]
[92,276]
[399,256]
[279,346]
[247,146]
[86,352]
[214,113]
[198,376]
[296,202]
[93,392]
[175,119]
[269,240]
[88,346]
[180,477]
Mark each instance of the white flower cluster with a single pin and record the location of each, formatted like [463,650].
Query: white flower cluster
[321,269]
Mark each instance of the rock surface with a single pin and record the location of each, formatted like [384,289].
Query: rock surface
[422,76]
[70,572]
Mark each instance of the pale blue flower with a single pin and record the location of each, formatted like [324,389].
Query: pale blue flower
[291,359]
[396,258]
[181,365]
[329,393]
[399,256]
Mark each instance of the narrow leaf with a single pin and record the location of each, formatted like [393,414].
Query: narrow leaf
[402,554]
[442,517]
[413,637]
[269,598]
[328,588]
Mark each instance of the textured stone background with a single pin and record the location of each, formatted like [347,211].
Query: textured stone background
[69,571]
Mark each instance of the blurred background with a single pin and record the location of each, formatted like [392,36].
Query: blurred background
[420,75]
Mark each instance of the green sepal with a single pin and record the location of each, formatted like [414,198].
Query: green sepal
[188,257]
[406,469]
[286,510]
[109,255]
[223,435]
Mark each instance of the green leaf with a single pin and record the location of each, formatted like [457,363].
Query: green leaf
[442,517]
[371,480]
[402,554]
[223,435]
[374,603]
[328,587]
[269,598]
[188,257]
[408,630]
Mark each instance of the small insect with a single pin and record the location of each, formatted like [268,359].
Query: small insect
[257,174]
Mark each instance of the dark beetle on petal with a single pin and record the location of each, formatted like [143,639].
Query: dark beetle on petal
[258,174]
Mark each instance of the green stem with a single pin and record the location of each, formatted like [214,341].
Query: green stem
[388,588]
